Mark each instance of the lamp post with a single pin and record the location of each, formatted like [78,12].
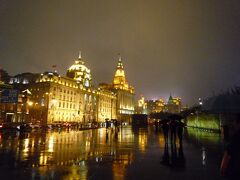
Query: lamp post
[24,106]
[25,95]
[111,107]
[29,105]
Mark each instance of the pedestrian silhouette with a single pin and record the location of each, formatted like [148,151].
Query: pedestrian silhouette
[116,133]
[173,128]
[180,126]
[156,125]
[165,128]
[106,135]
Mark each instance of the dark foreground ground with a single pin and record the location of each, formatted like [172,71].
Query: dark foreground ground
[113,154]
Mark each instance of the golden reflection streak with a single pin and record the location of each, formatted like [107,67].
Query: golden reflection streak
[142,142]
[120,165]
[51,143]
[26,143]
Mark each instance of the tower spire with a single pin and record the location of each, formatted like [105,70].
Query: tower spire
[120,64]
[80,55]
[170,98]
[119,57]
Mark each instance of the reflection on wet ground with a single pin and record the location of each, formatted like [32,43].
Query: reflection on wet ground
[122,153]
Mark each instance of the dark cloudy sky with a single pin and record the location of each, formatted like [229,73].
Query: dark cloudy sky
[188,47]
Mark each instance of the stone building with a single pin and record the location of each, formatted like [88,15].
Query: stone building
[124,92]
[141,106]
[173,105]
[106,109]
[80,73]
[14,105]
[58,99]
[72,98]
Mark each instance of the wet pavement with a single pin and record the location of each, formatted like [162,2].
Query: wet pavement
[123,153]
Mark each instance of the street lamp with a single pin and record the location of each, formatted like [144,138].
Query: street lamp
[24,101]
[25,95]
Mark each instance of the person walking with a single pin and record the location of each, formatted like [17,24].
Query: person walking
[173,127]
[180,126]
[156,125]
[165,128]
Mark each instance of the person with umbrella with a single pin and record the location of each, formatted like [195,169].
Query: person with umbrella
[176,127]
[173,129]
[165,128]
[180,126]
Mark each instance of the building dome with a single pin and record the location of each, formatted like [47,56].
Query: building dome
[80,72]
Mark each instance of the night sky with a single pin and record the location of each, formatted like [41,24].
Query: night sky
[189,48]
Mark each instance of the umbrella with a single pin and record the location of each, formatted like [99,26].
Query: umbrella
[161,115]
[175,117]
[164,121]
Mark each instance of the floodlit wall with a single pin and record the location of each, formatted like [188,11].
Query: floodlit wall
[204,121]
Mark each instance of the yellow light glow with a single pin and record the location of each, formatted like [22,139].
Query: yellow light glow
[26,143]
[50,144]
[30,103]
[54,101]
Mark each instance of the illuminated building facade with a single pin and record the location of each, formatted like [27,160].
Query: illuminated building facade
[14,112]
[124,92]
[173,105]
[23,79]
[80,73]
[155,106]
[58,99]
[106,105]
[159,107]
[141,106]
